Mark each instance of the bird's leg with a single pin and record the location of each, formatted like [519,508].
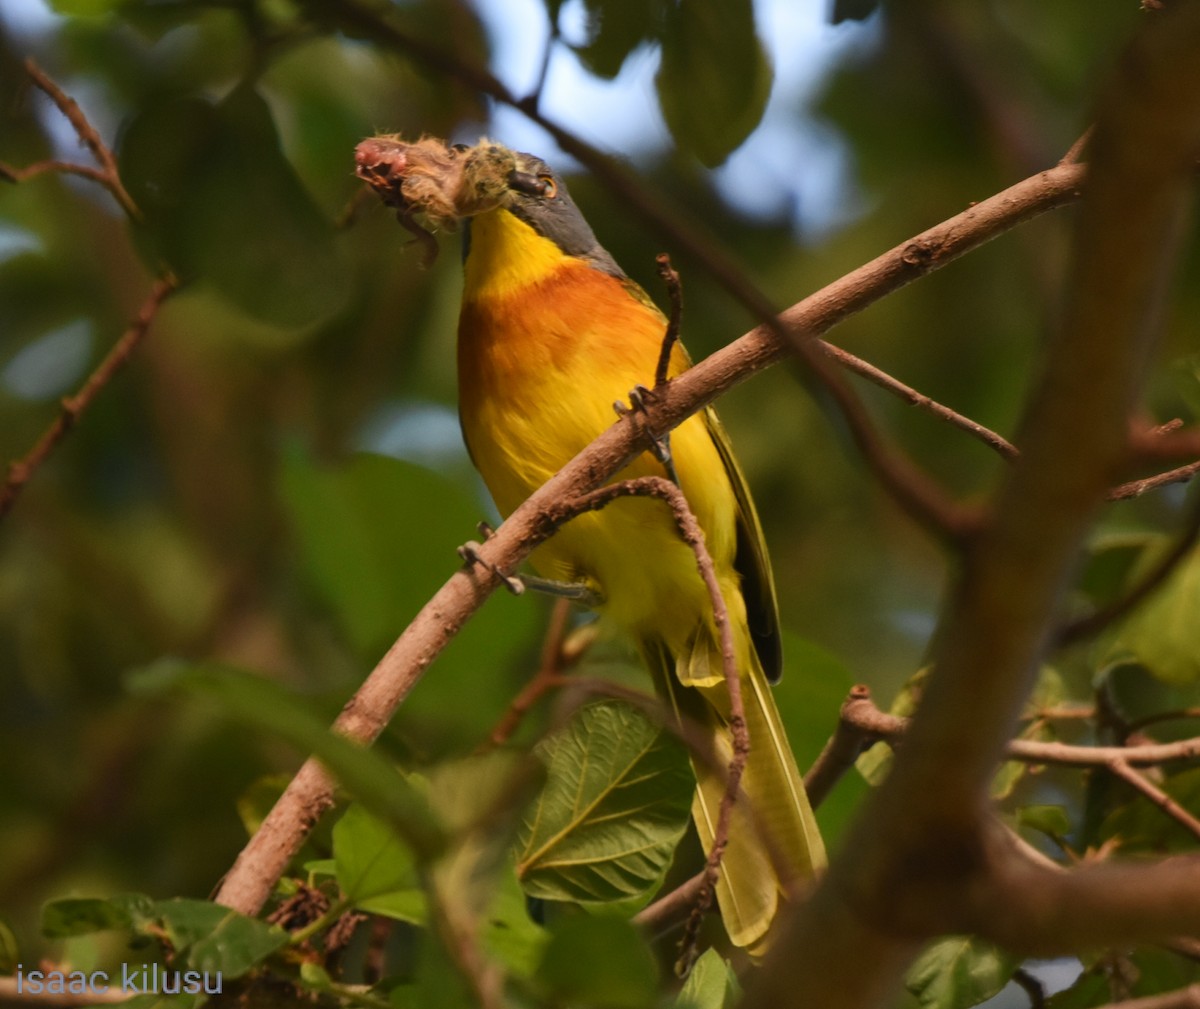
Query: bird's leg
[660,445]
[576,592]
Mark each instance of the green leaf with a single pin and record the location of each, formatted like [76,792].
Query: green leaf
[1163,634]
[222,204]
[377,538]
[715,77]
[616,802]
[73,916]
[598,960]
[252,699]
[509,934]
[959,971]
[375,869]
[614,29]
[1052,821]
[711,984]
[438,982]
[217,939]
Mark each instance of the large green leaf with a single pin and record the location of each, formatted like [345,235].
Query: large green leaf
[364,773]
[959,971]
[223,205]
[711,984]
[616,802]
[599,960]
[218,940]
[377,538]
[715,77]
[375,869]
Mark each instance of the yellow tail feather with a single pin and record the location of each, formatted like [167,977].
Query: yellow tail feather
[773,838]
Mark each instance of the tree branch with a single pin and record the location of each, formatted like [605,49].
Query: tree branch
[106,175]
[921,859]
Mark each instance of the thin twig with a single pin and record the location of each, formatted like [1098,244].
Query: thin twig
[107,175]
[1136,488]
[670,277]
[1156,795]
[861,723]
[850,738]
[673,905]
[73,407]
[881,378]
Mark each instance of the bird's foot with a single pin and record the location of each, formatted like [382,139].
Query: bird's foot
[469,552]
[576,592]
[660,445]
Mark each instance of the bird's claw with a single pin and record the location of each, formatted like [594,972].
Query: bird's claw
[660,445]
[469,552]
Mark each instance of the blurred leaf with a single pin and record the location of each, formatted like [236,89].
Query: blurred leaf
[378,538]
[82,915]
[711,984]
[614,29]
[1089,992]
[217,940]
[480,799]
[509,934]
[363,772]
[1052,821]
[1109,562]
[222,204]
[959,971]
[599,960]
[438,982]
[1163,634]
[375,869]
[714,79]
[616,802]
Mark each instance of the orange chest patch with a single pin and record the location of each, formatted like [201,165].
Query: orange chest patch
[565,329]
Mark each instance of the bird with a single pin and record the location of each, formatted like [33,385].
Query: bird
[551,332]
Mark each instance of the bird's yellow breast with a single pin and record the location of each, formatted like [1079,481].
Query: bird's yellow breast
[546,345]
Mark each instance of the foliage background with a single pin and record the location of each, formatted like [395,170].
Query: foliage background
[218,502]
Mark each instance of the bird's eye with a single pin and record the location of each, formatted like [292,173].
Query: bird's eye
[542,186]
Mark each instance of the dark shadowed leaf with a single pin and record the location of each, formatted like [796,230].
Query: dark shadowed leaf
[715,77]
[599,961]
[615,28]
